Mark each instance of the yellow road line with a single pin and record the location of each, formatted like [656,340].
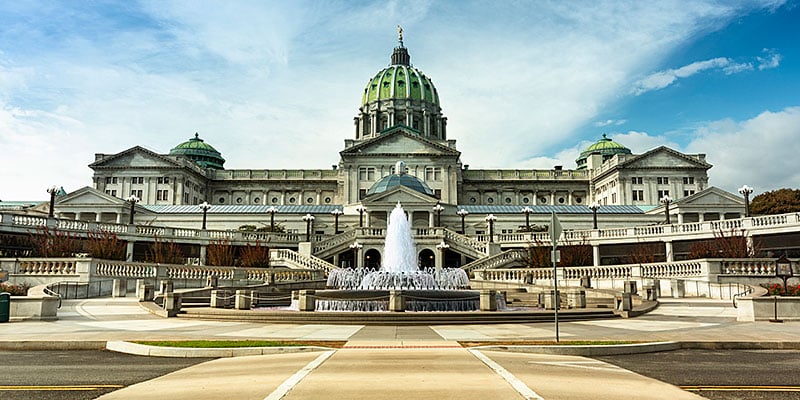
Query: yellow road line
[756,388]
[60,387]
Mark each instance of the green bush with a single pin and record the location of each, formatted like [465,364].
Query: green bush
[15,290]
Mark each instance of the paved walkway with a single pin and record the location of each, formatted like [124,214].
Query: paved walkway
[410,362]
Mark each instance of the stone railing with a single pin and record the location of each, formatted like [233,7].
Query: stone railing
[294,259]
[750,267]
[110,268]
[46,266]
[479,248]
[198,272]
[334,241]
[497,260]
[690,268]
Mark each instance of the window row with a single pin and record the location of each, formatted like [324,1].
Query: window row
[662,180]
[370,173]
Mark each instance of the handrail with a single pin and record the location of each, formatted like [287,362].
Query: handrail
[47,291]
[745,293]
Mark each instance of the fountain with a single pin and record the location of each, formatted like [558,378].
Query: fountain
[361,289]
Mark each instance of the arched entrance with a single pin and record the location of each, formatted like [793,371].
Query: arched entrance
[427,259]
[372,259]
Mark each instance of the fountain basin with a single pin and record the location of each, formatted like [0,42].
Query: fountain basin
[394,300]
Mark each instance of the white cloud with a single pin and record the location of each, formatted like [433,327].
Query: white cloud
[276,84]
[760,152]
[662,79]
[610,122]
[772,60]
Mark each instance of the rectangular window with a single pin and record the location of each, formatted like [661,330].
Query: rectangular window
[160,180]
[636,180]
[186,198]
[662,180]
[637,195]
[362,193]
[687,193]
[114,193]
[613,198]
[108,180]
[162,195]
[688,180]
[137,193]
[437,193]
[114,179]
[366,173]
[662,194]
[433,173]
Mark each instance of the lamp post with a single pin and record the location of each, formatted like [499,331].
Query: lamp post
[361,210]
[272,210]
[463,214]
[438,210]
[442,247]
[783,270]
[594,206]
[527,211]
[52,190]
[490,219]
[356,247]
[309,219]
[204,206]
[665,201]
[336,213]
[746,191]
[133,200]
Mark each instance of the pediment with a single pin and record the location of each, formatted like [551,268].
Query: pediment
[136,157]
[400,194]
[712,196]
[89,196]
[400,141]
[664,157]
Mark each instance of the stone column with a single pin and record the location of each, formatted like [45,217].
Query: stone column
[396,301]
[128,249]
[488,301]
[596,255]
[668,250]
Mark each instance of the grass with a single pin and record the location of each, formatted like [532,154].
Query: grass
[551,343]
[224,344]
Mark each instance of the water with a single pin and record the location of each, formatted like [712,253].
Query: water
[399,251]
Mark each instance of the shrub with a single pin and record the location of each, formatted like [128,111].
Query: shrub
[221,253]
[54,244]
[15,290]
[106,245]
[255,256]
[732,245]
[165,253]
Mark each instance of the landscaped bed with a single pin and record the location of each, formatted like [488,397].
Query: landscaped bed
[225,344]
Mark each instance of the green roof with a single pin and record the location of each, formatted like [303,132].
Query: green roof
[391,181]
[200,152]
[605,147]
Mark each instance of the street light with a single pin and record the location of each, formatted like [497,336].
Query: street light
[336,213]
[204,206]
[133,200]
[438,210]
[442,247]
[490,219]
[527,211]
[52,190]
[594,206]
[272,210]
[746,191]
[665,201]
[356,247]
[783,270]
[463,214]
[361,210]
[309,219]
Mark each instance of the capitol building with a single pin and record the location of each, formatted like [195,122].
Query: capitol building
[400,150]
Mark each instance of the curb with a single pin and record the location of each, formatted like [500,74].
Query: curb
[588,350]
[193,352]
[29,345]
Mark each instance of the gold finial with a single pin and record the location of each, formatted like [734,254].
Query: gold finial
[400,32]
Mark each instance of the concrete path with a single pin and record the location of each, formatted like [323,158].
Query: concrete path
[409,362]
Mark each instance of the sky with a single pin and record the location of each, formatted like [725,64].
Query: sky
[276,84]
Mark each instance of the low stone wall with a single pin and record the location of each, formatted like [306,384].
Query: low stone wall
[37,305]
[767,308]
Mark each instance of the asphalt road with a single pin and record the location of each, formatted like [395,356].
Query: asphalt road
[728,374]
[78,375]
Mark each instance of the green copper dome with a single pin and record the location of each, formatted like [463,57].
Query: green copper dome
[606,147]
[200,152]
[400,82]
[399,178]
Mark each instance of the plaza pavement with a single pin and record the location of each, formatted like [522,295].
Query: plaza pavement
[410,362]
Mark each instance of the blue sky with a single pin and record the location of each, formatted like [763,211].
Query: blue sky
[275,84]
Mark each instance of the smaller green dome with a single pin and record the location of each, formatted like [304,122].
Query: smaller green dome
[606,147]
[400,178]
[200,152]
